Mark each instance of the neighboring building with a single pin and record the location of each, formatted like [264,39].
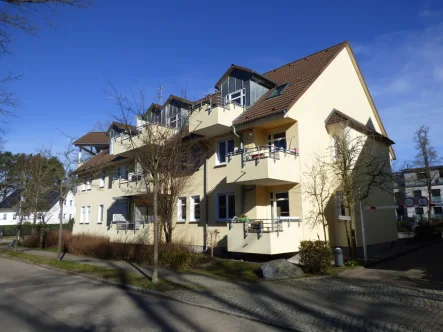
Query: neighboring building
[10,209]
[260,134]
[412,183]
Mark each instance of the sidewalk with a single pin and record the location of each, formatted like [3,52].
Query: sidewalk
[314,304]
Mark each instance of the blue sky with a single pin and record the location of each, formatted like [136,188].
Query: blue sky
[66,69]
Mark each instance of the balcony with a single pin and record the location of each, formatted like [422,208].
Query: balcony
[264,236]
[214,117]
[264,166]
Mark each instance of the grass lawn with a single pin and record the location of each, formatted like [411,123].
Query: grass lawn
[134,279]
[229,269]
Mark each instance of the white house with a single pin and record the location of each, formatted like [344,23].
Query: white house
[10,209]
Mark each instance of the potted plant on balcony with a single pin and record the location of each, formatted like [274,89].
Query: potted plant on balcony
[242,218]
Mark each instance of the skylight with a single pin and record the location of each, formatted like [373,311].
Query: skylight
[278,90]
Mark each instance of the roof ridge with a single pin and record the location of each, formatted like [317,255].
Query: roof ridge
[307,56]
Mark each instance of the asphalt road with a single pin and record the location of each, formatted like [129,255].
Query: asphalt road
[37,299]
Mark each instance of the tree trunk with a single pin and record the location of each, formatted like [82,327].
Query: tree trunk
[348,238]
[430,202]
[60,231]
[155,208]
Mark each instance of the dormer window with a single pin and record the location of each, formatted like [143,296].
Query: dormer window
[173,121]
[278,90]
[238,97]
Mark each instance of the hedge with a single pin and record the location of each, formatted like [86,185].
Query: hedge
[26,228]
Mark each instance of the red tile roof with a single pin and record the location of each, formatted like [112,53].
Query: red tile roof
[93,138]
[99,160]
[300,74]
[336,117]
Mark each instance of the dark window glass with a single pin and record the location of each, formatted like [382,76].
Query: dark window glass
[230,146]
[419,210]
[400,212]
[222,151]
[183,209]
[231,206]
[283,208]
[438,210]
[197,207]
[222,206]
[282,196]
[277,91]
[417,193]
[435,192]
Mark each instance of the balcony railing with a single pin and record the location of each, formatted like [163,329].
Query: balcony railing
[129,225]
[263,165]
[263,225]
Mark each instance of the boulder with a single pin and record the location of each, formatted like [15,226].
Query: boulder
[294,259]
[280,269]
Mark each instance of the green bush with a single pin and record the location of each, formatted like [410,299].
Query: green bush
[26,228]
[315,256]
[427,232]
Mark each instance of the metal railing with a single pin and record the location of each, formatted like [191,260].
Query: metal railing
[130,225]
[263,225]
[260,152]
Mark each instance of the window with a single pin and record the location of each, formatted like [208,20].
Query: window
[102,179]
[4,216]
[224,147]
[88,183]
[64,216]
[419,210]
[64,202]
[438,210]
[119,172]
[280,204]
[181,209]
[126,172]
[100,213]
[173,121]
[238,97]
[421,176]
[70,202]
[84,184]
[417,193]
[436,193]
[278,90]
[398,196]
[277,140]
[196,155]
[225,206]
[195,208]
[88,214]
[82,215]
[14,216]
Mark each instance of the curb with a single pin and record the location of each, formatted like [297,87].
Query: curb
[157,294]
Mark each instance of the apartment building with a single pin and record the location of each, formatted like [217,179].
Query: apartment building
[10,209]
[412,183]
[260,133]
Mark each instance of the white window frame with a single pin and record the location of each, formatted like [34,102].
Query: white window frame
[217,217]
[102,179]
[272,140]
[177,120]
[82,214]
[88,214]
[273,203]
[88,183]
[179,209]
[217,154]
[101,209]
[192,208]
[228,97]
[65,202]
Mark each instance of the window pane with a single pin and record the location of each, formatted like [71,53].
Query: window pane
[222,151]
[197,210]
[231,206]
[438,210]
[230,146]
[417,193]
[283,208]
[435,192]
[282,196]
[222,207]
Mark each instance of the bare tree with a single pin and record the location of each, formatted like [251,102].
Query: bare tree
[358,166]
[425,159]
[317,188]
[65,182]
[161,152]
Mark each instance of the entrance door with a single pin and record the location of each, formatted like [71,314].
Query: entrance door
[279,204]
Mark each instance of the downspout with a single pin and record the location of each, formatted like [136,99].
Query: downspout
[205,190]
[242,187]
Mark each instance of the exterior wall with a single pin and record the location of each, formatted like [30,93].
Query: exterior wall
[7,217]
[338,87]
